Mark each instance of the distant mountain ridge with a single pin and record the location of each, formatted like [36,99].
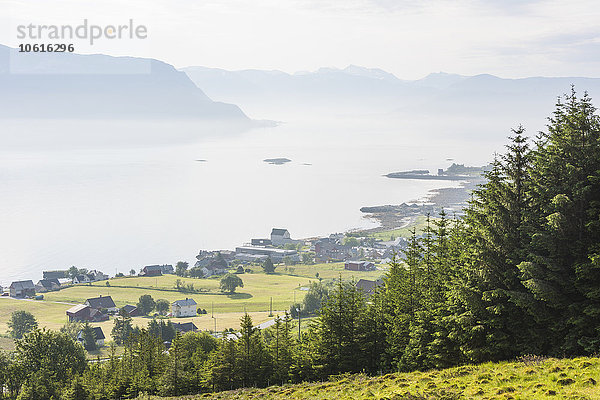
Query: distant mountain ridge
[67,85]
[378,91]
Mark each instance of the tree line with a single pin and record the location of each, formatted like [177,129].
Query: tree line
[518,274]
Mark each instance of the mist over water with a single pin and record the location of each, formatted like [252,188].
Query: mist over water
[120,195]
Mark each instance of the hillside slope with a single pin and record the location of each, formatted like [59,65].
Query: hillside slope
[531,378]
[65,85]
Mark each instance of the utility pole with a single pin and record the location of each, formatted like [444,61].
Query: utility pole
[299,321]
[271,308]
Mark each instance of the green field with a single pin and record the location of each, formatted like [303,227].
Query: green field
[7,344]
[419,224]
[285,287]
[542,379]
[49,315]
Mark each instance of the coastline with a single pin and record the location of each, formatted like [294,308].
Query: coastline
[453,200]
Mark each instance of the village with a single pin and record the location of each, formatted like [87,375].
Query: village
[355,253]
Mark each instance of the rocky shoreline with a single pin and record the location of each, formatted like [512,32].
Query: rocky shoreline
[452,200]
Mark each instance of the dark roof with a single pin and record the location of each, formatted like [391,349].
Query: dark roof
[22,285]
[54,274]
[186,302]
[101,302]
[278,231]
[367,286]
[77,309]
[153,268]
[81,278]
[47,283]
[129,308]
[97,315]
[167,269]
[97,332]
[185,327]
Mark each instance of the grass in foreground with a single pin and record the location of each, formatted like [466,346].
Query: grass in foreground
[577,378]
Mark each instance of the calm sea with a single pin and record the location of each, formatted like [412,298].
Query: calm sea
[120,195]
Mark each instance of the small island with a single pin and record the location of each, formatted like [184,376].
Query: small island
[277,161]
[455,172]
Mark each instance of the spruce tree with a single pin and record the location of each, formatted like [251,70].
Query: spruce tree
[255,361]
[89,337]
[562,267]
[340,330]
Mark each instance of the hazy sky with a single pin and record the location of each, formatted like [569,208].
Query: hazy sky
[409,38]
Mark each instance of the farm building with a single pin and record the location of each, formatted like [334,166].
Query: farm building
[98,334]
[359,266]
[102,303]
[167,269]
[276,255]
[84,278]
[54,274]
[46,285]
[184,308]
[152,270]
[83,312]
[131,310]
[22,289]
[281,237]
[185,327]
[261,242]
[97,275]
[368,287]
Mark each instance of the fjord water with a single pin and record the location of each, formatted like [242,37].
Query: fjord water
[120,195]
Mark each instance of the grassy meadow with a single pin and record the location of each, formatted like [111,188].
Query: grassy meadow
[49,315]
[534,379]
[419,225]
[285,286]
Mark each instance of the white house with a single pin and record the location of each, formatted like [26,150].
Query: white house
[280,237]
[184,308]
[98,334]
[82,279]
[97,275]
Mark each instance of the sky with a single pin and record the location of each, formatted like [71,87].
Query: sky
[409,38]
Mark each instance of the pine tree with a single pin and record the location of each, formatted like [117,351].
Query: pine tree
[340,330]
[174,381]
[89,337]
[225,366]
[255,362]
[399,301]
[280,349]
[562,267]
[123,327]
[498,306]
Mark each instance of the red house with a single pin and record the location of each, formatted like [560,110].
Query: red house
[152,270]
[359,266]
